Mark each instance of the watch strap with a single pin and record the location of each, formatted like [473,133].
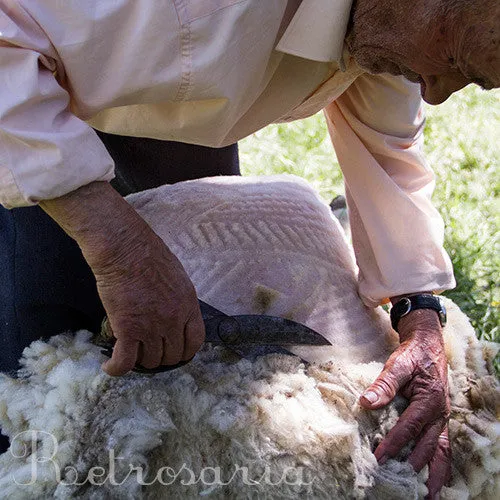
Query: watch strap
[418,301]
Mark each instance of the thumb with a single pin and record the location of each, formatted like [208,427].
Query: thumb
[394,376]
[123,359]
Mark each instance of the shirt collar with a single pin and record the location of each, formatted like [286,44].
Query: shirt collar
[317,30]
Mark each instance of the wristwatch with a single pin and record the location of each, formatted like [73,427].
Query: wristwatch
[419,301]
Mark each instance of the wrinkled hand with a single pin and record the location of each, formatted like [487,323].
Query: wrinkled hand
[151,305]
[418,371]
[150,301]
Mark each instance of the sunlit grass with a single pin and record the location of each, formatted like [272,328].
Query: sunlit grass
[463,147]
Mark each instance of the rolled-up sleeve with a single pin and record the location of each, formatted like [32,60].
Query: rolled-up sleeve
[45,150]
[377,130]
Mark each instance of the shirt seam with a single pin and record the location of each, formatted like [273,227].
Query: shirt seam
[186,83]
[208,14]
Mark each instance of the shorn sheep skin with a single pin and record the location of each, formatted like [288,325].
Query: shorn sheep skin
[226,427]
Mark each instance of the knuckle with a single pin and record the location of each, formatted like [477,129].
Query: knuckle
[171,356]
[427,450]
[194,339]
[173,310]
[387,385]
[414,427]
[128,326]
[442,402]
[174,316]
[393,447]
[434,392]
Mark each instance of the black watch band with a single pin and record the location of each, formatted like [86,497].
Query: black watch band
[419,301]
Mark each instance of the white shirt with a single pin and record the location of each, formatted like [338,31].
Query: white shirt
[212,72]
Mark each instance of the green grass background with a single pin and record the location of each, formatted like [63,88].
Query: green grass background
[462,142]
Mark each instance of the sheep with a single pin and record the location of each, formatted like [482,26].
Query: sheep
[229,427]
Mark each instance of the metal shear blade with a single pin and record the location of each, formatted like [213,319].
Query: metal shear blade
[247,334]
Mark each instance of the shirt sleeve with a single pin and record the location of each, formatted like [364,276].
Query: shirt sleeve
[377,131]
[45,150]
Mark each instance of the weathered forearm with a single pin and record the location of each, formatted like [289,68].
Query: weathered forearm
[99,219]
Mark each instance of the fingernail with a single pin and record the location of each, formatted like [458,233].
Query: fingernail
[371,396]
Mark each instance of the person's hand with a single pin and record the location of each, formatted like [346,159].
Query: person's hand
[418,371]
[151,305]
[150,301]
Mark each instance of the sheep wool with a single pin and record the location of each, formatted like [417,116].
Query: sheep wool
[229,427]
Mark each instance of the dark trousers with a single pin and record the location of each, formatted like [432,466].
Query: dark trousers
[46,286]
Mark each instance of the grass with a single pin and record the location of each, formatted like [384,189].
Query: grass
[463,147]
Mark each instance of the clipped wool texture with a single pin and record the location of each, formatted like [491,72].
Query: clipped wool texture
[226,427]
